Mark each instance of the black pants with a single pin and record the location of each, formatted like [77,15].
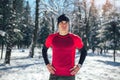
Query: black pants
[54,77]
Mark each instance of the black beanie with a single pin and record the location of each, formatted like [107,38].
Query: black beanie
[62,17]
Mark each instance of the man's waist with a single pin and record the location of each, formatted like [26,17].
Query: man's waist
[63,71]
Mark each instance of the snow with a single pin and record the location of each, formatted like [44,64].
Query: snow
[2,33]
[96,67]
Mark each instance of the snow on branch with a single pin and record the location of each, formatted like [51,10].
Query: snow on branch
[2,33]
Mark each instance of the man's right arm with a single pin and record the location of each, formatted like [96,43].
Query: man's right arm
[45,57]
[44,54]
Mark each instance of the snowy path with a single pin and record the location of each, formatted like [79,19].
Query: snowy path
[24,68]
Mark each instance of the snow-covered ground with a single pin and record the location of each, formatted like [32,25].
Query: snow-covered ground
[96,67]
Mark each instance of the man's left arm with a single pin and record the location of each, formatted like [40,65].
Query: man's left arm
[82,56]
[80,62]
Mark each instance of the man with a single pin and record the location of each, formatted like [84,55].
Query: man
[63,44]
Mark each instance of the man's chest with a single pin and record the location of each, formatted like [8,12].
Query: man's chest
[66,42]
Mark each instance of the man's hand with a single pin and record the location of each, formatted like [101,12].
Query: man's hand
[74,70]
[51,68]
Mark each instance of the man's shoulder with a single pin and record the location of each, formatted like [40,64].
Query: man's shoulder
[52,35]
[74,35]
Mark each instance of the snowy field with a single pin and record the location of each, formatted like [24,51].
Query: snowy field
[96,67]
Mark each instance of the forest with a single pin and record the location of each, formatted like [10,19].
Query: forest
[24,26]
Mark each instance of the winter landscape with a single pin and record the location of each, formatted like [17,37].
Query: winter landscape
[25,25]
[96,67]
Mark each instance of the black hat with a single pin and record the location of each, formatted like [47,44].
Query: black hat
[62,17]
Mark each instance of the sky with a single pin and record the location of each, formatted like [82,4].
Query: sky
[98,2]
[101,2]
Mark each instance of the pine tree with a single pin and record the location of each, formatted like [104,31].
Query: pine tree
[27,29]
[18,6]
[93,23]
[111,35]
[13,34]
[44,31]
[1,26]
[10,25]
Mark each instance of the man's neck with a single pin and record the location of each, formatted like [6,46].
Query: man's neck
[63,33]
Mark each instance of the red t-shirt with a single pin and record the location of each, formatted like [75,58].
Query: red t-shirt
[63,51]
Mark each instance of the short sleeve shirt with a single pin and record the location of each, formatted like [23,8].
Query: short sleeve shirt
[63,51]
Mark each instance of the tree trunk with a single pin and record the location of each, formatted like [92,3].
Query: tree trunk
[87,25]
[2,49]
[8,53]
[113,25]
[53,25]
[101,51]
[114,30]
[86,33]
[31,54]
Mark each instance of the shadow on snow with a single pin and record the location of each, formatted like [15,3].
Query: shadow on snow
[3,66]
[18,66]
[116,64]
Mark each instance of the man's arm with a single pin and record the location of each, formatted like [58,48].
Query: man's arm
[82,56]
[44,54]
[45,57]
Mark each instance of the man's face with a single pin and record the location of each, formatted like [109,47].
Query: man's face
[63,26]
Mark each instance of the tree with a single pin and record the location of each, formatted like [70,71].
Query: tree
[12,32]
[1,26]
[44,31]
[35,32]
[111,35]
[82,24]
[9,30]
[19,8]
[27,27]
[107,9]
[93,25]
[52,9]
